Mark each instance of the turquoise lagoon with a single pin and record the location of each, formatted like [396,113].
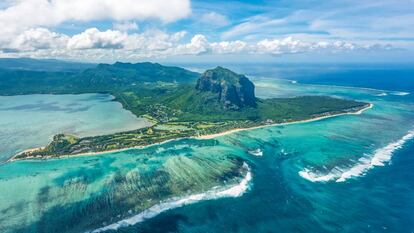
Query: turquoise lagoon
[29,121]
[351,173]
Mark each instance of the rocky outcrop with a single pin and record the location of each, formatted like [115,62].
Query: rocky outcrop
[234,90]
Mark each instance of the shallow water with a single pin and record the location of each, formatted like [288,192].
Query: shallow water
[344,174]
[29,121]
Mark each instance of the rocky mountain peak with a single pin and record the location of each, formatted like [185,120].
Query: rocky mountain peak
[234,90]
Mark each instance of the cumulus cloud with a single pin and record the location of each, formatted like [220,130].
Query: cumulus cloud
[198,45]
[95,39]
[27,29]
[93,44]
[24,14]
[38,39]
[229,47]
[286,45]
[152,42]
[289,45]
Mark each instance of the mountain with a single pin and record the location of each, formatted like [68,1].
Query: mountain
[101,78]
[50,65]
[127,73]
[234,90]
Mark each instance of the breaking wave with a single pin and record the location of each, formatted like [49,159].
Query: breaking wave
[400,93]
[380,158]
[257,152]
[215,193]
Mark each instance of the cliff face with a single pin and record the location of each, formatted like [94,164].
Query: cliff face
[235,90]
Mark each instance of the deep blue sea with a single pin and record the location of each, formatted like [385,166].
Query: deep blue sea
[347,174]
[382,200]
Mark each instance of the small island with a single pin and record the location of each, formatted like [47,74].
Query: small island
[180,104]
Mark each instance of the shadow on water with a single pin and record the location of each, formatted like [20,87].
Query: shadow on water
[111,204]
[164,223]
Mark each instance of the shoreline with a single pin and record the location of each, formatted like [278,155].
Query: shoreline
[202,137]
[211,136]
[12,159]
[331,85]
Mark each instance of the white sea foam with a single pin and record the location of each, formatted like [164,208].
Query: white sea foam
[314,177]
[215,193]
[379,158]
[382,94]
[400,93]
[257,152]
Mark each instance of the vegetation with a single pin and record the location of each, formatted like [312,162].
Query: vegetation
[50,65]
[170,98]
[185,104]
[180,124]
[235,90]
[103,78]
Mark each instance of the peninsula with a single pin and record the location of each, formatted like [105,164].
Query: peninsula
[178,102]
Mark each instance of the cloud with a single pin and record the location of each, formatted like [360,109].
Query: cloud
[37,28]
[286,45]
[214,19]
[198,45]
[95,39]
[95,45]
[26,14]
[229,47]
[331,20]
[152,42]
[126,26]
[38,39]
[289,45]
[254,25]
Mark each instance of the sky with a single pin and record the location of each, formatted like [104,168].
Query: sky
[209,30]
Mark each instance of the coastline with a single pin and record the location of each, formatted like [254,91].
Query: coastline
[211,136]
[86,153]
[201,137]
[339,86]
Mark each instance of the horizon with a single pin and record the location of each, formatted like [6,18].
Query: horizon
[217,63]
[208,31]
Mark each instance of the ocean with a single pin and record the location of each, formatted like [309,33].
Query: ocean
[350,173]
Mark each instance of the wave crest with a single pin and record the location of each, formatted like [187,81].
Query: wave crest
[381,94]
[401,93]
[380,158]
